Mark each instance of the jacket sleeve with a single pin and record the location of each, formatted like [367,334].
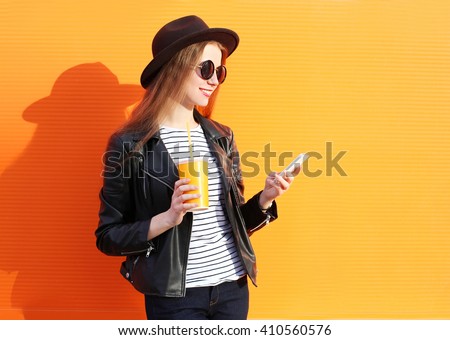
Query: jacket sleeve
[254,218]
[117,232]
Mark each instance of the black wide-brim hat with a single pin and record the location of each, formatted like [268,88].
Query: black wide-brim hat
[181,33]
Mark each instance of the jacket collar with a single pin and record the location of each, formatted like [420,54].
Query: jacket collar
[208,126]
[205,123]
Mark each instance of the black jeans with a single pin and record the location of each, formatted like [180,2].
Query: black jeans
[226,301]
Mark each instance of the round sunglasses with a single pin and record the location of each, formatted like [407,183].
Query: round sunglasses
[207,69]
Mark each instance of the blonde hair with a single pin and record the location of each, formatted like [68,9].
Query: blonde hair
[170,82]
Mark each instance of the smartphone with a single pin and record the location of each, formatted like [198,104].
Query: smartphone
[294,167]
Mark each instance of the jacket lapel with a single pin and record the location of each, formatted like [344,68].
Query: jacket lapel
[158,163]
[219,144]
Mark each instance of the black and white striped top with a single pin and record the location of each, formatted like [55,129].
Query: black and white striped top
[213,257]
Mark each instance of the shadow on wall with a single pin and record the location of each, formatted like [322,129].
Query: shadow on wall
[48,212]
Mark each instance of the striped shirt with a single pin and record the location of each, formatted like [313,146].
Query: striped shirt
[213,257]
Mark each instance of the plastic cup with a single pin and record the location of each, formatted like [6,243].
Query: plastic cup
[197,171]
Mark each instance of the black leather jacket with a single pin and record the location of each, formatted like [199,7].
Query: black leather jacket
[138,186]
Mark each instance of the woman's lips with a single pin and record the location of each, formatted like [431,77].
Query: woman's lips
[206,92]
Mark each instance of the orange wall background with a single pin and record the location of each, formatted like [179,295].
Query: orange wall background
[370,77]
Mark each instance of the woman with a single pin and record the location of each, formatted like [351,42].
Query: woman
[189,265]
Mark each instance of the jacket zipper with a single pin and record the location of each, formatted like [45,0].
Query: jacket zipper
[263,223]
[147,251]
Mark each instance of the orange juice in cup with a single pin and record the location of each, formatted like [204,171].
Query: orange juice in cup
[196,169]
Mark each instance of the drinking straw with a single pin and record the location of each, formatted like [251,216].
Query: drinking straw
[189,140]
